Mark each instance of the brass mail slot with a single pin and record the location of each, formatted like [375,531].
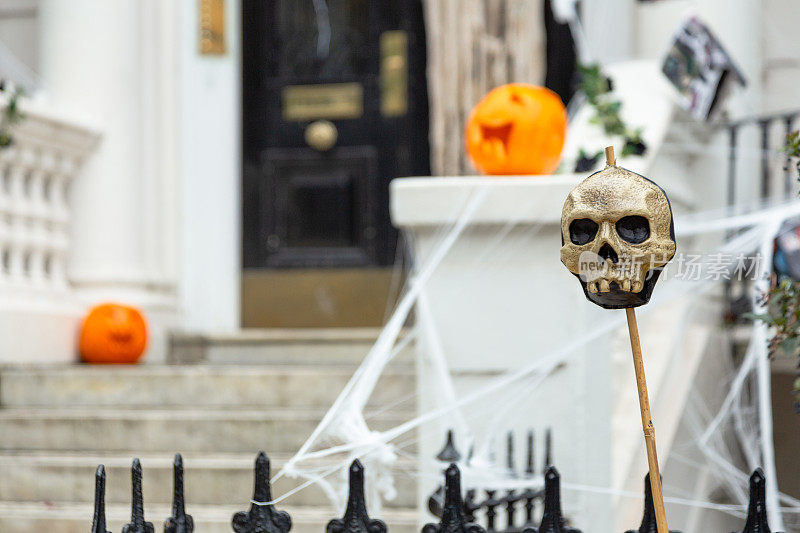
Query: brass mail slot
[331,101]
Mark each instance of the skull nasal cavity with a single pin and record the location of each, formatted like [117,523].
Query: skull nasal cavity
[607,252]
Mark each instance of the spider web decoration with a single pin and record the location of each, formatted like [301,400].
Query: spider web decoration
[346,432]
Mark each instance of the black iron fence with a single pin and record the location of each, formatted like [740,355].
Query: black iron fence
[457,516]
[777,178]
[513,504]
[771,131]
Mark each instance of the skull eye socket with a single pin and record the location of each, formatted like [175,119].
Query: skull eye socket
[582,231]
[633,229]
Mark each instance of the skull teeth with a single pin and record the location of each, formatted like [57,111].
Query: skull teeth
[604,285]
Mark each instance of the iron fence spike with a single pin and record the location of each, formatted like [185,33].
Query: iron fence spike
[454,519]
[179,522]
[757,507]
[449,453]
[99,519]
[510,452]
[137,523]
[552,518]
[356,519]
[529,468]
[648,524]
[262,517]
[548,451]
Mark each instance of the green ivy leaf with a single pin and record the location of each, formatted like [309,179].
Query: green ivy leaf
[595,86]
[790,346]
[763,317]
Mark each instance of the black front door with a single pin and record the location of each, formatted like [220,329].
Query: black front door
[334,107]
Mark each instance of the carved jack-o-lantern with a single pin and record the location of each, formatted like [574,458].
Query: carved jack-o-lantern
[113,333]
[617,233]
[517,129]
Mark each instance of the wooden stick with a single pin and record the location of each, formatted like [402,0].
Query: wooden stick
[610,159]
[644,403]
[647,423]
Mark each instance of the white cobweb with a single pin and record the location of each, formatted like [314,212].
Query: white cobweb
[734,437]
[729,438]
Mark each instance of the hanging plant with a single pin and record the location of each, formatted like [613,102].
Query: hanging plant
[782,314]
[792,149]
[782,310]
[586,161]
[597,88]
[11,114]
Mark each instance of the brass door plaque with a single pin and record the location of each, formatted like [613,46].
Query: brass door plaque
[328,101]
[212,27]
[394,73]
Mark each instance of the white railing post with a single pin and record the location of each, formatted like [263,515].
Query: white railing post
[17,210]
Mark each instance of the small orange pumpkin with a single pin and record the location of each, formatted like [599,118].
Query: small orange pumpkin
[517,129]
[113,333]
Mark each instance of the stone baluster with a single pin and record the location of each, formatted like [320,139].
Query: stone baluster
[17,211]
[59,220]
[5,217]
[38,224]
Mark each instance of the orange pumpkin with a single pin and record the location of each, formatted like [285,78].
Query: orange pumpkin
[113,333]
[517,129]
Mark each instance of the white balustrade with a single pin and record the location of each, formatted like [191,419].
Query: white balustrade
[36,171]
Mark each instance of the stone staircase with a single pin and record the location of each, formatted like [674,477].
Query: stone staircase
[58,423]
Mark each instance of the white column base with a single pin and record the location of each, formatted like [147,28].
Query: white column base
[31,334]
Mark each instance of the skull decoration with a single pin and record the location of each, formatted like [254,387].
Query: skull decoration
[616,234]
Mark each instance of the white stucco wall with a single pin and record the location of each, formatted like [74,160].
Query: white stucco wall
[19,32]
[781,55]
[210,156]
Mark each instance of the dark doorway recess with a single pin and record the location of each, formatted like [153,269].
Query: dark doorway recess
[334,107]
[562,59]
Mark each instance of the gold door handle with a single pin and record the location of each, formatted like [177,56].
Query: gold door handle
[321,135]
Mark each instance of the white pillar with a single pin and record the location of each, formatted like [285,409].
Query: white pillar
[210,103]
[113,61]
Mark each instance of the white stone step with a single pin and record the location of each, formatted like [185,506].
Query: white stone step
[277,431]
[218,479]
[163,386]
[279,346]
[77,518]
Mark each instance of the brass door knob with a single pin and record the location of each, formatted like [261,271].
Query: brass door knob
[321,135]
